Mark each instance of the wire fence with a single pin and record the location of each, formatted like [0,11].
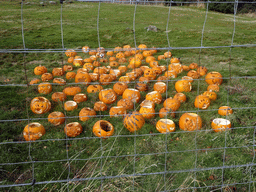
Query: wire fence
[103,154]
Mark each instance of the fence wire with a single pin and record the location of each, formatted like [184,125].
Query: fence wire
[135,174]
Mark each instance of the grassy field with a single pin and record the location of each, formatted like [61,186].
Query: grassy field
[189,159]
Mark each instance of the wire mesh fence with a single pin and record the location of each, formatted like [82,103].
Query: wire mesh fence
[142,160]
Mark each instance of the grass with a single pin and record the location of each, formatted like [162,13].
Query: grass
[91,157]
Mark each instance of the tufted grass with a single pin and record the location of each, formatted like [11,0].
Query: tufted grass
[92,157]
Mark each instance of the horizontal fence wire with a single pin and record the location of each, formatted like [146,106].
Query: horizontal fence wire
[102,177]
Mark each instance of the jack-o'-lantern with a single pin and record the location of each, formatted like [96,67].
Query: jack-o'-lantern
[103,128]
[94,88]
[68,68]
[59,81]
[112,59]
[83,77]
[107,96]
[163,68]
[144,80]
[168,54]
[213,78]
[71,59]
[161,57]
[220,125]
[176,67]
[134,63]
[73,129]
[132,94]
[150,74]
[132,76]
[113,64]
[57,72]
[183,86]
[85,49]
[150,58]
[40,105]
[72,90]
[147,111]
[213,87]
[127,47]
[96,64]
[86,113]
[59,96]
[162,79]
[94,76]
[88,66]
[34,81]
[110,53]
[146,53]
[147,103]
[202,70]
[70,105]
[166,112]
[78,62]
[175,60]
[225,110]
[160,87]
[33,131]
[120,55]
[70,53]
[165,126]
[185,68]
[202,102]
[170,74]
[193,66]
[88,60]
[99,70]
[172,104]
[100,106]
[92,52]
[141,86]
[46,77]
[157,70]
[190,122]
[44,88]
[154,96]
[126,103]
[142,46]
[122,60]
[70,75]
[194,74]
[187,78]
[138,72]
[80,97]
[211,94]
[105,79]
[127,53]
[133,121]
[118,49]
[144,67]
[122,68]
[119,87]
[117,111]
[181,97]
[124,79]
[56,118]
[40,70]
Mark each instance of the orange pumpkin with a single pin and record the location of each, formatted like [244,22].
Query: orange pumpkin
[213,78]
[167,54]
[83,77]
[34,81]
[185,68]
[94,76]
[150,74]
[105,79]
[70,75]
[88,60]
[124,79]
[59,81]
[225,110]
[161,57]
[44,88]
[71,59]
[73,129]
[59,96]
[56,118]
[190,122]
[172,104]
[144,80]
[107,96]
[183,86]
[154,96]
[165,112]
[157,70]
[57,71]
[141,86]
[150,58]
[110,53]
[40,105]
[70,105]
[134,63]
[213,87]
[117,111]
[147,111]
[40,70]
[103,129]
[132,76]
[100,106]
[170,74]
[88,66]
[70,53]
[71,90]
[202,102]
[126,103]
[181,97]
[120,55]
[160,87]
[194,74]
[142,46]
[220,125]
[132,94]
[33,131]
[193,66]
[78,62]
[94,88]
[86,113]
[122,69]
[187,78]
[146,53]
[147,103]
[80,97]
[165,126]
[46,77]
[212,95]
[113,64]
[85,49]
[202,70]
[133,121]
[175,60]
[119,87]
[177,67]
[162,78]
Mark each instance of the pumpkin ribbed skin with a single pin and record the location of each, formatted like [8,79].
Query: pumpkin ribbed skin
[148,112]
[117,111]
[40,70]
[172,104]
[133,121]
[33,131]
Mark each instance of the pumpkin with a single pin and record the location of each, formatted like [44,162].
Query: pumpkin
[107,96]
[167,54]
[170,74]
[225,110]
[147,111]
[71,90]
[193,66]
[80,97]
[202,102]
[93,57]
[153,50]
[103,128]
[142,46]
[71,59]
[83,70]
[187,78]
[154,96]
[126,103]
[161,57]
[94,88]
[86,113]
[212,95]
[133,121]
[163,68]
[127,47]
[134,63]
[105,79]
[147,103]
[202,70]
[185,68]
[213,87]
[132,94]
[70,75]
[100,106]
[165,126]
[190,122]
[59,81]
[83,77]
[150,58]
[101,50]
[117,111]
[157,70]
[46,77]
[44,88]
[78,62]
[144,67]
[162,78]
[57,72]
[40,70]
[113,64]
[59,96]
[164,112]
[160,87]
[122,69]
[112,59]
[172,104]
[194,74]
[56,118]
[150,74]
[118,49]
[70,105]
[213,78]
[110,53]
[96,64]
[33,131]
[124,79]
[138,72]
[99,70]
[73,129]
[175,60]
[119,87]
[88,66]
[177,67]
[120,55]
[70,53]
[141,86]
[92,52]
[34,81]
[183,86]
[181,97]
[132,76]
[85,49]
[144,80]
[146,53]
[94,76]
[88,60]
[40,105]
[220,125]
[127,53]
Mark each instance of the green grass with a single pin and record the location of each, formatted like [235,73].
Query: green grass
[42,30]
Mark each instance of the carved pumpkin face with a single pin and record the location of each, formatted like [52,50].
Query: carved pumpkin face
[46,77]
[83,77]
[70,75]
[202,102]
[110,53]
[190,122]
[88,60]
[150,58]
[183,86]
[150,74]
[134,63]
[40,70]
[88,66]
[124,79]
[33,131]
[181,97]
[220,125]
[73,129]
[103,129]
[59,81]
[225,110]
[177,67]
[141,86]
[85,49]
[44,88]
[107,96]
[70,53]
[165,126]
[168,54]
[94,76]
[213,87]
[133,121]
[213,78]
[56,118]
[86,113]
[166,112]
[146,53]
[170,74]
[194,74]
[40,105]
[78,62]
[193,66]
[119,55]
[122,69]
[113,64]
[157,70]
[59,96]
[175,60]
[202,70]
[105,79]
